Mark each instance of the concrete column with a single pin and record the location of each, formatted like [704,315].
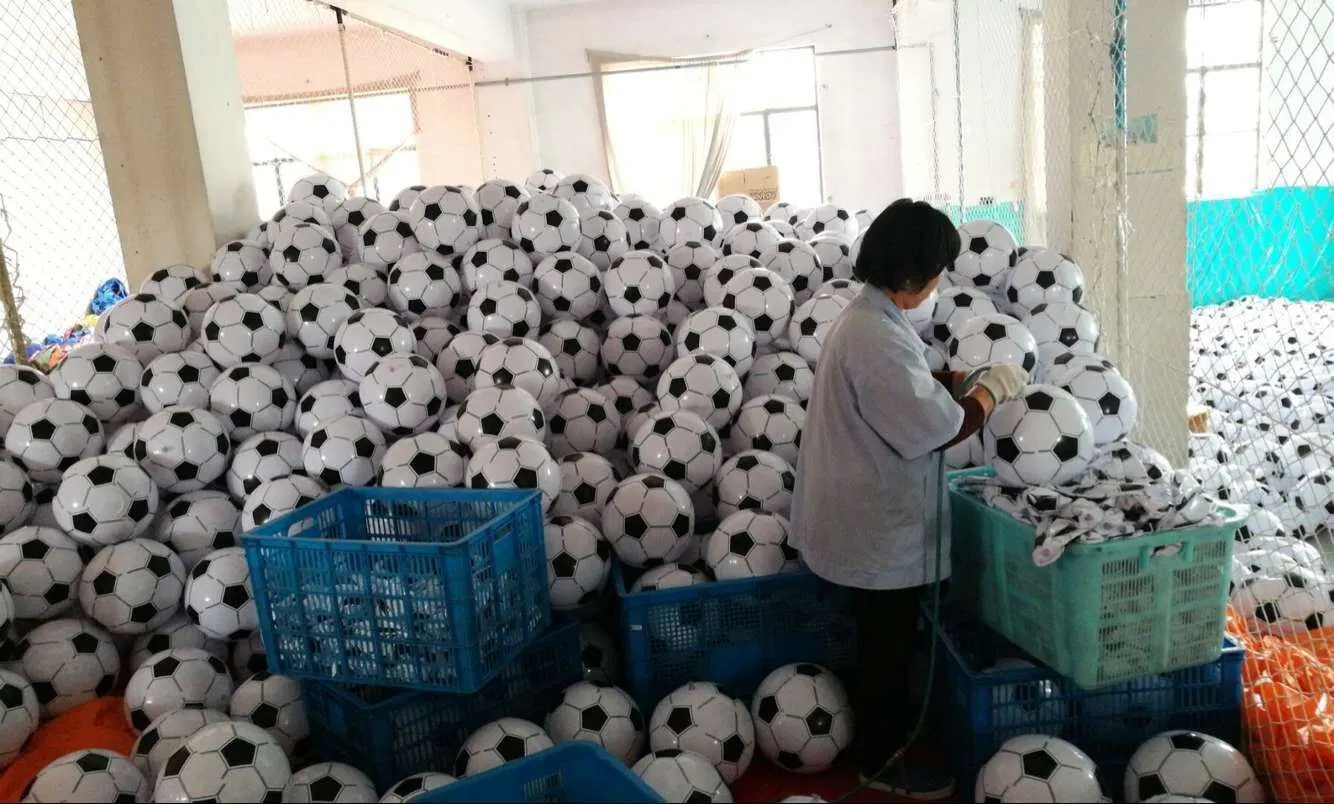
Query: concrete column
[167,100]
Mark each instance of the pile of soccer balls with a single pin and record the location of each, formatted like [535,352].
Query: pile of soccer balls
[1171,766]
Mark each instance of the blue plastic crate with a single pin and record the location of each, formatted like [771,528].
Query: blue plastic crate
[392,733]
[977,710]
[430,589]
[569,772]
[732,633]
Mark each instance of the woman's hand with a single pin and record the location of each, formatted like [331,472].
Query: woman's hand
[1001,382]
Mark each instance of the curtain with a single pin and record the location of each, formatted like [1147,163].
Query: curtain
[666,123]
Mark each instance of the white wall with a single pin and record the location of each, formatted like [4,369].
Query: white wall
[857,93]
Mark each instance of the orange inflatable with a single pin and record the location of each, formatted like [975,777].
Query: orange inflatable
[1287,710]
[99,723]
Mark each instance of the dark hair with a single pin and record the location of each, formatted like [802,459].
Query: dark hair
[906,246]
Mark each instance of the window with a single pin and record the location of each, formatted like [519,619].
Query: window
[779,123]
[1223,52]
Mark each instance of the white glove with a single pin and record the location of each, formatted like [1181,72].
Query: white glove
[1004,381]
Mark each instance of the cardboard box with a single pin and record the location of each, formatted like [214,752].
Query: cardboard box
[759,183]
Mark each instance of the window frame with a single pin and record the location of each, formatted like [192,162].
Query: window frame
[1201,137]
[766,117]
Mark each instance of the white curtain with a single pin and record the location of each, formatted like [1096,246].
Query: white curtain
[666,123]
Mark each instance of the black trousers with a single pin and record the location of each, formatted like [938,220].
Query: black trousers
[888,644]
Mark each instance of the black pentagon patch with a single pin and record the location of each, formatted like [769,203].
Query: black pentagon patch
[1066,448]
[788,760]
[1150,785]
[1187,741]
[1007,450]
[93,761]
[85,643]
[235,596]
[1039,764]
[819,721]
[1039,400]
[510,748]
[238,753]
[977,245]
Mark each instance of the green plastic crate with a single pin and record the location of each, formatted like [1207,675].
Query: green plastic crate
[1103,613]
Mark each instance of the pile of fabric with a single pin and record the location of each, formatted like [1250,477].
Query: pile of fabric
[51,350]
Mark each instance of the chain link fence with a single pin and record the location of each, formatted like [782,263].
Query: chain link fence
[56,217]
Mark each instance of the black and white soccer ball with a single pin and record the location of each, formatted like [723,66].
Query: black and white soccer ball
[318,188]
[415,786]
[1042,438]
[637,346]
[803,718]
[404,198]
[171,282]
[504,309]
[495,260]
[253,398]
[1060,327]
[798,263]
[810,324]
[1284,599]
[690,219]
[296,212]
[764,298]
[228,761]
[498,201]
[598,653]
[303,371]
[678,444]
[424,283]
[183,449]
[994,338]
[600,714]
[176,632]
[315,314]
[587,194]
[716,278]
[19,715]
[275,704]
[218,597]
[836,255]
[367,336]
[1107,398]
[649,519]
[954,306]
[331,782]
[1038,768]
[498,742]
[88,775]
[542,181]
[988,252]
[243,261]
[41,566]
[178,378]
[568,285]
[544,225]
[578,561]
[347,218]
[105,499]
[102,377]
[642,221]
[403,394]
[199,301]
[20,386]
[772,423]
[576,348]
[425,460]
[178,678]
[785,374]
[243,329]
[738,209]
[513,462]
[49,436]
[829,219]
[703,384]
[1188,763]
[364,281]
[132,587]
[1043,276]
[752,238]
[199,522]
[262,457]
[603,239]
[639,283]
[386,238]
[587,481]
[701,719]
[325,402]
[522,363]
[68,662]
[433,334]
[167,733]
[583,421]
[18,496]
[249,657]
[458,362]
[146,325]
[345,452]
[671,575]
[722,333]
[747,544]
[498,411]
[303,254]
[626,394]
[678,775]
[446,219]
[689,261]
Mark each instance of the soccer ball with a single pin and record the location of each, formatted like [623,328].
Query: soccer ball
[637,346]
[498,200]
[345,452]
[20,386]
[568,285]
[248,656]
[88,775]
[49,436]
[639,284]
[690,219]
[598,654]
[413,787]
[347,219]
[667,576]
[171,282]
[747,544]
[1043,276]
[802,718]
[67,662]
[994,338]
[318,188]
[183,449]
[1067,363]
[17,497]
[260,458]
[798,263]
[811,322]
[179,378]
[1107,398]
[498,411]
[299,369]
[764,298]
[1060,327]
[297,212]
[315,314]
[703,384]
[1188,763]
[835,253]
[512,462]
[678,444]
[717,277]
[364,281]
[366,336]
[19,715]
[545,224]
[199,301]
[720,332]
[446,219]
[405,197]
[599,714]
[829,219]
[243,261]
[498,742]
[542,181]
[522,363]
[178,678]
[603,238]
[243,329]
[1287,600]
[585,193]
[333,782]
[578,562]
[176,632]
[304,253]
[146,325]
[587,481]
[678,775]
[649,519]
[771,423]
[433,334]
[458,362]
[228,761]
[218,598]
[325,402]
[423,283]
[167,733]
[41,566]
[583,421]
[785,374]
[504,309]
[102,377]
[737,209]
[105,499]
[1043,438]
[1038,768]
[954,306]
[404,394]
[132,587]
[642,221]
[754,480]
[274,703]
[689,261]
[387,238]
[252,399]
[699,719]
[426,460]
[987,254]
[495,260]
[752,238]
[625,394]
